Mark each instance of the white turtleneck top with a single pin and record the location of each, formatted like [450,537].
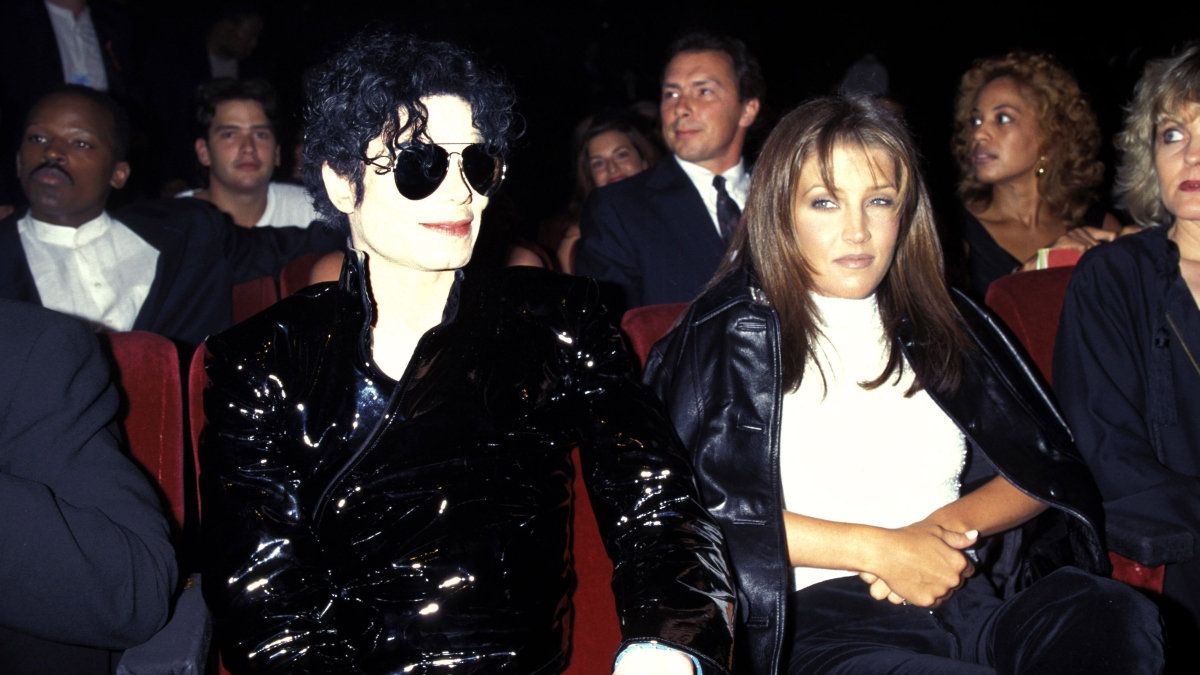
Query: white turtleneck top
[853,455]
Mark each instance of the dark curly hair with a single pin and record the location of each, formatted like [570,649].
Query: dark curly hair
[1070,137]
[373,83]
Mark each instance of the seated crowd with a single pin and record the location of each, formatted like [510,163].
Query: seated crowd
[835,460]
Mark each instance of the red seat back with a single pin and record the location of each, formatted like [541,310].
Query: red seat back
[197,381]
[1029,304]
[253,297]
[595,630]
[146,370]
[296,273]
[646,325]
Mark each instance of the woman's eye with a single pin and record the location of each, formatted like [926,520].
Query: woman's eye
[83,144]
[597,164]
[621,155]
[1172,135]
[1003,118]
[823,204]
[976,121]
[882,201]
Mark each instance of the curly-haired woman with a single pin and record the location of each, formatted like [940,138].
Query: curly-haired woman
[1026,144]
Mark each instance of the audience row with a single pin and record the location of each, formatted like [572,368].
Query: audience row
[827,428]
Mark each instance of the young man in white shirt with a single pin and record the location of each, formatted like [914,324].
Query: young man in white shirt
[237,143]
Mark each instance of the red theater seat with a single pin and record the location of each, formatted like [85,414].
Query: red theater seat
[296,273]
[146,371]
[253,297]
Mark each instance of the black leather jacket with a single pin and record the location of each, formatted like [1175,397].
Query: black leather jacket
[356,524]
[719,373]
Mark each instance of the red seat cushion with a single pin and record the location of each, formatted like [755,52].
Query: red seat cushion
[146,371]
[646,325]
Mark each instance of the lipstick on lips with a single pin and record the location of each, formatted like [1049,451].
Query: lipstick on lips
[458,228]
[1190,186]
[855,261]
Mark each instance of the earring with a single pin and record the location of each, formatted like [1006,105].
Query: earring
[1041,170]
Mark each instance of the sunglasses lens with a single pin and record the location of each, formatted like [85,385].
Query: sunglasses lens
[419,169]
[482,170]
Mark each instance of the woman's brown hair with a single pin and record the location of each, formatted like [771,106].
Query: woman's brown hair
[593,127]
[912,287]
[1069,135]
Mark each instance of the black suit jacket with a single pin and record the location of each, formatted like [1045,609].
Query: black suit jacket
[651,235]
[201,256]
[84,547]
[30,68]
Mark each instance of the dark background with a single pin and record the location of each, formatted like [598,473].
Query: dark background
[575,59]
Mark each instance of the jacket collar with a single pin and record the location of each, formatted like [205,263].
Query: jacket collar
[359,310]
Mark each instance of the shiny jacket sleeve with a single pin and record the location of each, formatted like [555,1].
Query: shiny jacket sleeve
[1104,379]
[85,551]
[671,577]
[273,593]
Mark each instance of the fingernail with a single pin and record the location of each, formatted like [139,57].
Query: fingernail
[971,534]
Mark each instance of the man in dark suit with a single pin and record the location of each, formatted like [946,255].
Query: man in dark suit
[166,266]
[85,550]
[660,235]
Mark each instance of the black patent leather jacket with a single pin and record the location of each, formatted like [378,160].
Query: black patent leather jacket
[357,524]
[720,374]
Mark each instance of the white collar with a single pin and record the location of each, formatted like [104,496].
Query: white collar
[67,236]
[699,174]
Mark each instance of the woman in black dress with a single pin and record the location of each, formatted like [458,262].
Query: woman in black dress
[1026,143]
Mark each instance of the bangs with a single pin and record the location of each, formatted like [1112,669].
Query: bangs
[1180,86]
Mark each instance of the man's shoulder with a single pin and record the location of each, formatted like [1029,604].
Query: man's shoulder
[646,183]
[1127,266]
[169,221]
[24,326]
[306,318]
[288,191]
[291,205]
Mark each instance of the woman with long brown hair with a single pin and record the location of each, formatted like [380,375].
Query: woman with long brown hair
[869,441]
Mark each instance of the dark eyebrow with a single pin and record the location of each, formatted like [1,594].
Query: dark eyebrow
[235,127]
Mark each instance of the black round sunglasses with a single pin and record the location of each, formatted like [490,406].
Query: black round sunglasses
[419,168]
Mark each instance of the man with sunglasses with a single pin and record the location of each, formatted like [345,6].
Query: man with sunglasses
[386,470]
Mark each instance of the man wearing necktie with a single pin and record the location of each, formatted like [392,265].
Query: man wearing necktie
[660,235]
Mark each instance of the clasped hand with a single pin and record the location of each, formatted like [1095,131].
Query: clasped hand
[922,564]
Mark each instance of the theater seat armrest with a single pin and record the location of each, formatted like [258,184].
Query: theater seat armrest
[1149,542]
[181,647]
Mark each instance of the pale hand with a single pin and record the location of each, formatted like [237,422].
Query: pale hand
[654,662]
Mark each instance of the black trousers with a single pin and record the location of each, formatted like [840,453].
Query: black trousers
[1069,622]
[22,654]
